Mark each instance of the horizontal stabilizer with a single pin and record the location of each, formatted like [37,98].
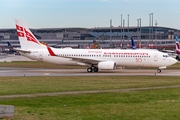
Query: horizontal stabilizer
[21,50]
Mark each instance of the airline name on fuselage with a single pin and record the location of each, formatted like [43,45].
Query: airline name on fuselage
[119,53]
[94,51]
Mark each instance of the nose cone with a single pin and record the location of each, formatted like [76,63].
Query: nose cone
[172,61]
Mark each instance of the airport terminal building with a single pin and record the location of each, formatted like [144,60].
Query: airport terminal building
[107,37]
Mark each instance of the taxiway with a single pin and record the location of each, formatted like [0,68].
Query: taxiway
[9,71]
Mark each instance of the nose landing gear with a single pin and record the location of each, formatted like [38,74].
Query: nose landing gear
[159,70]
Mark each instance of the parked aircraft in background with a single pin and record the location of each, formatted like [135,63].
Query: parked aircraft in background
[11,49]
[177,51]
[96,59]
[133,44]
[87,47]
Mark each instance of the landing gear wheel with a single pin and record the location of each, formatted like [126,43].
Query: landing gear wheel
[159,70]
[95,69]
[89,69]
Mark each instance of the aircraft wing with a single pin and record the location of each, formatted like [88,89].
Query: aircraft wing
[168,51]
[86,60]
[77,59]
[21,50]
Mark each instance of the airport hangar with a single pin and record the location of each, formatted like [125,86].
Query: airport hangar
[154,37]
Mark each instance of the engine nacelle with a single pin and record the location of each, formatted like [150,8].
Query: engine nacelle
[107,65]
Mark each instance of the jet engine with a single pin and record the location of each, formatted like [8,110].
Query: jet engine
[107,65]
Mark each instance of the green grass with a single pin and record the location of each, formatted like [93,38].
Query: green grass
[24,85]
[156,104]
[141,105]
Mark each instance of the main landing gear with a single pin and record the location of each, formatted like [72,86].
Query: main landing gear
[177,58]
[92,69]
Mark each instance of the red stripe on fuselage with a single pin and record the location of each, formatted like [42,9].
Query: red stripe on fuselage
[50,51]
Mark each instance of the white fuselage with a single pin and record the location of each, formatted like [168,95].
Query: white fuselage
[142,58]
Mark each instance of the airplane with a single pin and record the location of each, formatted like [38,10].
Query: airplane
[177,51]
[169,52]
[174,53]
[95,59]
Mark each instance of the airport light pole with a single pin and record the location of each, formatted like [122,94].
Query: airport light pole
[152,27]
[128,29]
[121,27]
[140,31]
[137,29]
[110,31]
[149,26]
[151,31]
[128,25]
[156,34]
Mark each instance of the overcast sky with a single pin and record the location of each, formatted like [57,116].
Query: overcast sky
[88,13]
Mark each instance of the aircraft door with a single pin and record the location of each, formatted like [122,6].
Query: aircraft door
[41,56]
[155,56]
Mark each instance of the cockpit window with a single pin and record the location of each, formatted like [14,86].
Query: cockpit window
[165,55]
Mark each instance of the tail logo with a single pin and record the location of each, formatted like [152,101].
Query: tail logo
[19,28]
[22,32]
